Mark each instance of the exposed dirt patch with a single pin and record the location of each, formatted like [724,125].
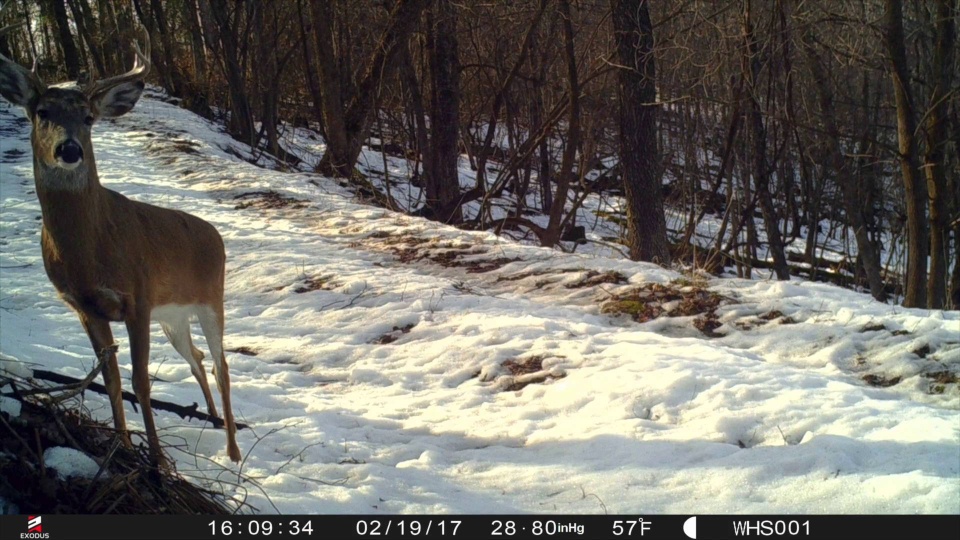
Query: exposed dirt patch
[527,371]
[777,315]
[186,147]
[880,381]
[654,300]
[942,377]
[314,283]
[874,327]
[267,200]
[594,278]
[525,275]
[489,265]
[923,351]
[939,380]
[393,335]
[165,146]
[707,324]
[246,351]
[411,249]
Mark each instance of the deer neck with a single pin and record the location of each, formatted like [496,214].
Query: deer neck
[74,206]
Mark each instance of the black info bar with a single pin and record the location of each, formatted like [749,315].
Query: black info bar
[473,526]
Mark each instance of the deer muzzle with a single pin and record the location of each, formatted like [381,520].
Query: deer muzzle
[68,154]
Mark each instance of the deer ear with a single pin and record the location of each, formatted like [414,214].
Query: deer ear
[18,85]
[117,100]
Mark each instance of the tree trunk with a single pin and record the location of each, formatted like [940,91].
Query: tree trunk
[313,85]
[915,190]
[110,30]
[408,76]
[935,158]
[216,20]
[639,154]
[500,97]
[443,183]
[166,40]
[953,186]
[71,57]
[761,170]
[869,253]
[343,148]
[86,32]
[553,230]
[331,101]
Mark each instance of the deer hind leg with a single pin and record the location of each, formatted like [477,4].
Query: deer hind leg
[211,321]
[102,340]
[178,332]
[138,328]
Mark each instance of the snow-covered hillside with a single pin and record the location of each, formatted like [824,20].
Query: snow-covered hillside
[390,364]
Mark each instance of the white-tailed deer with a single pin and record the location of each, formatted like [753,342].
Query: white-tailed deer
[113,259]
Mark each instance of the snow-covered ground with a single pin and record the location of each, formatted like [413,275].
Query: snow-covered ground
[375,379]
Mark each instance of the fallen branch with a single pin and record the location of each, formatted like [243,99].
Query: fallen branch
[181,410]
[78,388]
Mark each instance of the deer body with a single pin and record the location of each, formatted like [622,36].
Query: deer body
[117,260]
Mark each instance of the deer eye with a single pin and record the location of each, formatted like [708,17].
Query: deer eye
[42,114]
[88,120]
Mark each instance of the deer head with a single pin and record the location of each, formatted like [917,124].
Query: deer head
[63,114]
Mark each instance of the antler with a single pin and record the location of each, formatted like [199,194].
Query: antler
[141,67]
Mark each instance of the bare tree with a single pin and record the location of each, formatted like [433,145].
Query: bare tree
[443,181]
[869,254]
[639,154]
[71,58]
[935,157]
[915,190]
[347,127]
[758,134]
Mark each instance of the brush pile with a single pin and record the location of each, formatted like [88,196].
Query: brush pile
[44,445]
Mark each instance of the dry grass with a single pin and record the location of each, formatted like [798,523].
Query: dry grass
[880,381]
[411,249]
[656,300]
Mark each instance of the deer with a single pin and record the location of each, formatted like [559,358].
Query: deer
[113,259]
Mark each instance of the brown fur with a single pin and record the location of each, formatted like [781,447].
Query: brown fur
[116,260]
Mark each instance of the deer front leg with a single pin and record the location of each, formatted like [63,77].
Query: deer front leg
[138,328]
[102,340]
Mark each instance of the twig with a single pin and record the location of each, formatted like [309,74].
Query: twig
[297,455]
[77,388]
[181,410]
[41,462]
[584,492]
[66,432]
[103,467]
[19,438]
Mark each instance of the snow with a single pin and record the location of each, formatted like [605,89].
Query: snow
[69,462]
[9,406]
[773,417]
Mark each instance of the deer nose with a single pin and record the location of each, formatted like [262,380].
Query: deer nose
[69,151]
